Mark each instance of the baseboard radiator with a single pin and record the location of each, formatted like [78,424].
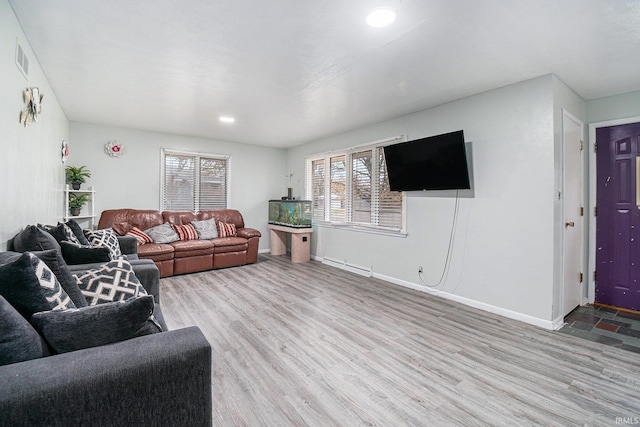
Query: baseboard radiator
[344,265]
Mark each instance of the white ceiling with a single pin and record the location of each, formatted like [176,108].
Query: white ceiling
[292,71]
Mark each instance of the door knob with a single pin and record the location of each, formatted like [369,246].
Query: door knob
[569,224]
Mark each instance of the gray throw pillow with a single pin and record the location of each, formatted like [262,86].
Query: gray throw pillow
[18,340]
[74,253]
[206,229]
[163,233]
[114,281]
[75,329]
[30,286]
[33,238]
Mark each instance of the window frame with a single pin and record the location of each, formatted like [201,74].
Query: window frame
[348,155]
[197,178]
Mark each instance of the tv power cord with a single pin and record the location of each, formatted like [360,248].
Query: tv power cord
[447,261]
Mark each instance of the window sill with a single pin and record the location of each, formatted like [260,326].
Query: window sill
[361,228]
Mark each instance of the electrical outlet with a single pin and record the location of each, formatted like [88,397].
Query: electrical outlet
[420,269]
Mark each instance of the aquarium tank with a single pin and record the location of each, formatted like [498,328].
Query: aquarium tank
[290,213]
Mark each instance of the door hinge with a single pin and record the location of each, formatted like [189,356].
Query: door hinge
[581,210]
[595,275]
[595,211]
[595,147]
[581,145]
[581,277]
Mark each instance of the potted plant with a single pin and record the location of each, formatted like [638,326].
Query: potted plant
[76,202]
[76,175]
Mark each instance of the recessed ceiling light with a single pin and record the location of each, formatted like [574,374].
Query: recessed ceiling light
[381,17]
[227,119]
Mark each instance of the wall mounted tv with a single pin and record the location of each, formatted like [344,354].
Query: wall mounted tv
[433,163]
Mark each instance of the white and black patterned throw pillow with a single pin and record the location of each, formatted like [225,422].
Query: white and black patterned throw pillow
[104,238]
[68,233]
[57,298]
[30,286]
[114,281]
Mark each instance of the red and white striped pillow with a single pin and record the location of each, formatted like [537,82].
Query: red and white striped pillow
[140,236]
[226,230]
[186,232]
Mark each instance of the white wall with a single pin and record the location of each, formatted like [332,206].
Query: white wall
[31,171]
[133,180]
[503,256]
[614,107]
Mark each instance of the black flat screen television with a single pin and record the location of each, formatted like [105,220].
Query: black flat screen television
[432,163]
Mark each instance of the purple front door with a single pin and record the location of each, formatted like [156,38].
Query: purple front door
[618,217]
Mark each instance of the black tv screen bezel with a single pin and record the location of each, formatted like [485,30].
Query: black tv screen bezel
[428,164]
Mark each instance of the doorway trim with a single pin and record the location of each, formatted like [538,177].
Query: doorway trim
[591,285]
[580,221]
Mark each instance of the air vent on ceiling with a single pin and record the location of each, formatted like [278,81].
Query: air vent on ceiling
[21,60]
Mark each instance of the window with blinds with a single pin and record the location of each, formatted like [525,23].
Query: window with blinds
[352,188]
[193,181]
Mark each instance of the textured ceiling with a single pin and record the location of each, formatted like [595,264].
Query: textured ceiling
[292,71]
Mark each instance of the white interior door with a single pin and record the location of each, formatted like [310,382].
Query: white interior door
[573,247]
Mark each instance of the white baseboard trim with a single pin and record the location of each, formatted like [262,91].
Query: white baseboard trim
[557,323]
[545,324]
[362,271]
[541,323]
[264,251]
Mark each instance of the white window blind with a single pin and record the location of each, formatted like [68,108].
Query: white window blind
[193,181]
[338,193]
[316,184]
[357,186]
[361,173]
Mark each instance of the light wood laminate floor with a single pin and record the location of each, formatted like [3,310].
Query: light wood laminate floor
[308,344]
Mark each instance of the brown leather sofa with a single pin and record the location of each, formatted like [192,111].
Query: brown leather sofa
[187,256]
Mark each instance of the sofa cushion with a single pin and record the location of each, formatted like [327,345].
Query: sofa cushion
[75,329]
[207,229]
[104,239]
[18,340]
[231,216]
[141,236]
[54,261]
[229,244]
[188,248]
[178,217]
[30,286]
[128,218]
[185,232]
[80,254]
[114,281]
[226,229]
[162,233]
[156,251]
[33,238]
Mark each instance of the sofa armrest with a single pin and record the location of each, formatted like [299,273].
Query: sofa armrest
[128,246]
[248,233]
[158,379]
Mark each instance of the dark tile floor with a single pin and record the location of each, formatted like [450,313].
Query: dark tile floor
[605,325]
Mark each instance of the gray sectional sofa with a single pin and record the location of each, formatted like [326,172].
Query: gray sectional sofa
[163,378]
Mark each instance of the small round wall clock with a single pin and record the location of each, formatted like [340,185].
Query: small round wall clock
[114,149]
